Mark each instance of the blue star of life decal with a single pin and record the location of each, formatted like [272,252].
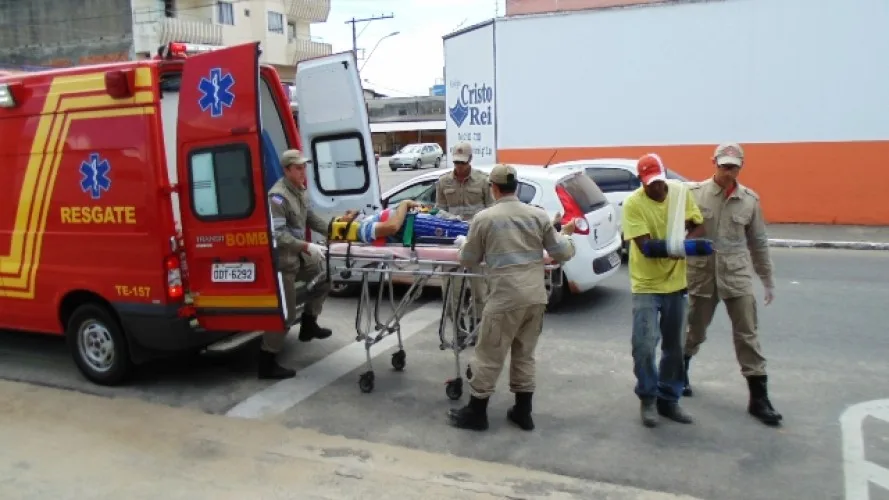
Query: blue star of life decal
[216,92]
[95,176]
[459,112]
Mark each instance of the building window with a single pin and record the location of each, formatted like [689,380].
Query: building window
[221,182]
[276,22]
[225,12]
[291,32]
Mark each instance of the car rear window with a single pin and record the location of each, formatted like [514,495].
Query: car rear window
[585,192]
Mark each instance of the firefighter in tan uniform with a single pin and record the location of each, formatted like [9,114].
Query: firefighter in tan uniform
[733,219]
[298,260]
[510,238]
[463,192]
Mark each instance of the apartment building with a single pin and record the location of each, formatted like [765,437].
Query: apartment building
[283,27]
[38,33]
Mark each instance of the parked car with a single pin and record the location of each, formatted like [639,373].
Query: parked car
[416,155]
[570,193]
[616,177]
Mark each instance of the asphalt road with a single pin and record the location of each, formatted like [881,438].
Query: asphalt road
[824,338]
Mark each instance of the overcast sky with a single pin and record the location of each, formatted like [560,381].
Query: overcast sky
[408,63]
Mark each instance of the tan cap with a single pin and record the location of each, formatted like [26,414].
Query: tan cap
[462,152]
[293,157]
[502,174]
[729,153]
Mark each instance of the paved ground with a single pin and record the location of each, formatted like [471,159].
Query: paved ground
[824,336]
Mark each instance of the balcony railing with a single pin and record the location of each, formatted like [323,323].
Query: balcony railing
[191,31]
[307,49]
[313,11]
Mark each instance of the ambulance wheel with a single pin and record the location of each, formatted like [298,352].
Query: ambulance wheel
[98,345]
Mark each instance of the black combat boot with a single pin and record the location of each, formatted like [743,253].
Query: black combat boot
[520,414]
[759,405]
[309,329]
[686,391]
[648,413]
[473,416]
[270,369]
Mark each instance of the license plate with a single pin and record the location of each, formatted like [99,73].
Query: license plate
[241,272]
[614,259]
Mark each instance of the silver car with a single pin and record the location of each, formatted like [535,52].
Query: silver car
[416,155]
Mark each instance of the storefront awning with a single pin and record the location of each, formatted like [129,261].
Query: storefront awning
[407,126]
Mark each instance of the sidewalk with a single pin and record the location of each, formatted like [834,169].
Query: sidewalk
[61,444]
[825,236]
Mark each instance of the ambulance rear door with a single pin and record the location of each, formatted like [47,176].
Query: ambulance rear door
[335,133]
[229,262]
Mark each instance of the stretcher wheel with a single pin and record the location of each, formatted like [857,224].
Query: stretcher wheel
[454,389]
[366,382]
[399,360]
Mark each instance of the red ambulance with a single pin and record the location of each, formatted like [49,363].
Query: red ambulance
[134,219]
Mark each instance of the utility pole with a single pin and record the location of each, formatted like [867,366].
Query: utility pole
[354,22]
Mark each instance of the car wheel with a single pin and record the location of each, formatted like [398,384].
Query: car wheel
[98,345]
[438,162]
[418,165]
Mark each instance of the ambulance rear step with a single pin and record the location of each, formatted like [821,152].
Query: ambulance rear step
[231,343]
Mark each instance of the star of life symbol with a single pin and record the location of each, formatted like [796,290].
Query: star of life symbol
[95,176]
[216,92]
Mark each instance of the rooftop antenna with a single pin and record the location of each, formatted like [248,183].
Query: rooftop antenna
[551,158]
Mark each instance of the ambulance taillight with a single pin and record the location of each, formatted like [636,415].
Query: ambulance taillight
[7,98]
[173,267]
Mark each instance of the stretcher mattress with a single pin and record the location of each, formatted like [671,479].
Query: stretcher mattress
[398,251]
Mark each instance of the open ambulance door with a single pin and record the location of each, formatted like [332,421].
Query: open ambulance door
[335,133]
[229,260]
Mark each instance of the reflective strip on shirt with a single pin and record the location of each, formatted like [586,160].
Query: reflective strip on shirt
[513,259]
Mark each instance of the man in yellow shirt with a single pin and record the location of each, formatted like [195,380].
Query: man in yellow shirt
[660,293]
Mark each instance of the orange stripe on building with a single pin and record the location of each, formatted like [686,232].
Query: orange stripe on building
[815,182]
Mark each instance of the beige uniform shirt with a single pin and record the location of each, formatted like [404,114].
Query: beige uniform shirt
[510,238]
[290,217]
[464,199]
[736,226]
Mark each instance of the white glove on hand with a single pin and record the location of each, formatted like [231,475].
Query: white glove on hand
[315,250]
[459,241]
[770,295]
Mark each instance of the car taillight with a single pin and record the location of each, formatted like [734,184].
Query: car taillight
[572,211]
[174,278]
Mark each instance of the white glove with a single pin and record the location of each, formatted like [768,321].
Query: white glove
[459,241]
[770,295]
[315,249]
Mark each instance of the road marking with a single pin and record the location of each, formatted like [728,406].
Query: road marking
[860,472]
[283,395]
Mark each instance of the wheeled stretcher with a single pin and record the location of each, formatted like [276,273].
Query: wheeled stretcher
[418,257]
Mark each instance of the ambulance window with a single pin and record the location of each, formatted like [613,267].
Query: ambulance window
[340,164]
[221,182]
[271,118]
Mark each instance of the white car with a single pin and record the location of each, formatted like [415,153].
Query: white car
[416,155]
[572,194]
[616,177]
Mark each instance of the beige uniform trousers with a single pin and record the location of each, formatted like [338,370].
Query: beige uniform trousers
[742,313]
[311,265]
[514,332]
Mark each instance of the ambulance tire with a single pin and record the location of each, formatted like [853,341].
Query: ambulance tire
[106,326]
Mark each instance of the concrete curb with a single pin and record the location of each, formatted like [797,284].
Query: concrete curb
[846,245]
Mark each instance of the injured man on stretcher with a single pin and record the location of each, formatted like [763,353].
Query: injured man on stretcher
[389,225]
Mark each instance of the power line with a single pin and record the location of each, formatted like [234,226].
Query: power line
[354,21]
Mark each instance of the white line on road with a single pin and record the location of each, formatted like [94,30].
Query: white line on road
[859,471]
[283,395]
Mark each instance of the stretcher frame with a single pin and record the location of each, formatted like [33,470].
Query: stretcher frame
[371,328]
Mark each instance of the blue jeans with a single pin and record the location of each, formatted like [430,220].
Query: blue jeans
[659,317]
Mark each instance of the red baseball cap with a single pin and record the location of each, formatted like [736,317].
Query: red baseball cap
[650,168]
